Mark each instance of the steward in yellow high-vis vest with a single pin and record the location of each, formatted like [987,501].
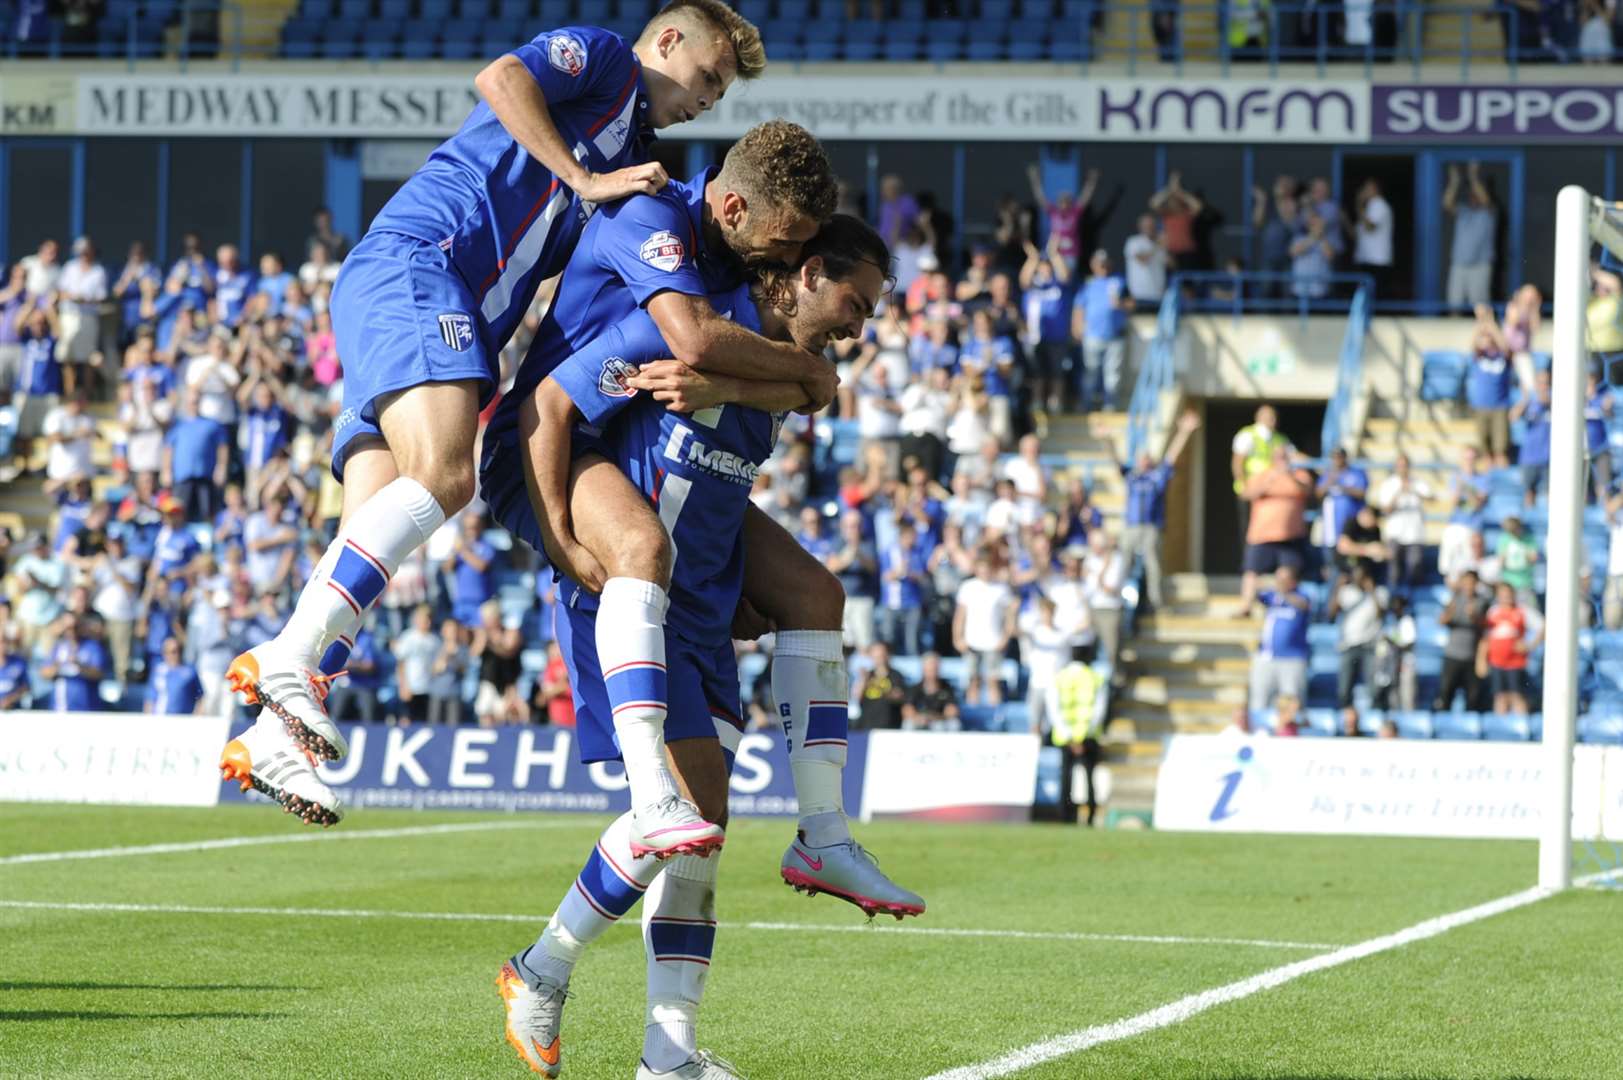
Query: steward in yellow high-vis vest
[1077,702]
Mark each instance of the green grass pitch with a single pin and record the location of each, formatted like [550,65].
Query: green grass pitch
[800,988]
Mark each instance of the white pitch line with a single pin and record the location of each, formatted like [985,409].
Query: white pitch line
[503,917]
[279,838]
[1184,1008]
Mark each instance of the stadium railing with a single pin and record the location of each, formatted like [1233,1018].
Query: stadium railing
[1071,31]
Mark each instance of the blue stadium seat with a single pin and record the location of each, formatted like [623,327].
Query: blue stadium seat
[433,9]
[397,10]
[798,10]
[1319,721]
[978,717]
[864,49]
[983,49]
[419,48]
[459,49]
[940,51]
[1453,725]
[1028,50]
[912,9]
[988,30]
[1030,31]
[785,49]
[1600,728]
[953,30]
[341,29]
[304,49]
[354,9]
[594,12]
[954,670]
[1506,728]
[313,9]
[1442,375]
[302,29]
[460,30]
[903,28]
[822,30]
[1414,725]
[1078,10]
[339,49]
[910,668]
[756,11]
[864,30]
[1072,41]
[1014,716]
[1001,10]
[471,9]
[820,50]
[515,12]
[902,49]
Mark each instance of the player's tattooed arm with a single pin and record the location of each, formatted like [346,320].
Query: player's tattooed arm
[518,102]
[705,341]
[681,389]
[545,421]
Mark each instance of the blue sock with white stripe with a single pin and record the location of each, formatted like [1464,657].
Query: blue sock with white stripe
[356,569]
[631,649]
[679,936]
[809,685]
[609,885]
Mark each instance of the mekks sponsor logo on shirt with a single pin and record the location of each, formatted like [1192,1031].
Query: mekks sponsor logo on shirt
[566,53]
[723,463]
[612,380]
[662,251]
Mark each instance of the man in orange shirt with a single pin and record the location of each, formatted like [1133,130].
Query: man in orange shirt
[1503,651]
[1278,527]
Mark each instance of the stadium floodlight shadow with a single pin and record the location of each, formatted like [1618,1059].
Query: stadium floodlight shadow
[89,985]
[21,1016]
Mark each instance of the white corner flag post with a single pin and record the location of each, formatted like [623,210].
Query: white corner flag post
[1564,550]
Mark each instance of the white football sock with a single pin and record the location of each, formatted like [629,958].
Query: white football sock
[809,684]
[357,566]
[631,651]
[679,935]
[609,885]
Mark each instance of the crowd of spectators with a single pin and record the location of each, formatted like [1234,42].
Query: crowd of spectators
[181,417]
[1372,554]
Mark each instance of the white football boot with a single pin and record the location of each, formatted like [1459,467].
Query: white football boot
[701,1066]
[289,690]
[266,759]
[847,871]
[673,826]
[535,1012]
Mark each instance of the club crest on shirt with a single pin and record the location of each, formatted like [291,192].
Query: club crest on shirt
[662,251]
[456,330]
[566,53]
[611,382]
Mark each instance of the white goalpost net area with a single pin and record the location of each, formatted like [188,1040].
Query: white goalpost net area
[1582,222]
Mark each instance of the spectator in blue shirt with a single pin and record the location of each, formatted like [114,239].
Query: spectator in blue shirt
[196,453]
[14,684]
[1043,283]
[854,561]
[1099,321]
[1488,387]
[1341,492]
[127,289]
[77,662]
[982,350]
[193,273]
[40,373]
[273,282]
[933,348]
[232,520]
[812,536]
[173,688]
[233,285]
[1598,407]
[1146,481]
[471,566]
[1312,257]
[1280,665]
[1534,458]
[904,571]
[359,687]
[265,427]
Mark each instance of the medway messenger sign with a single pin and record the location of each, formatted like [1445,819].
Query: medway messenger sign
[996,109]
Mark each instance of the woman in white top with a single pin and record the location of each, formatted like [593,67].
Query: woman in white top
[1403,499]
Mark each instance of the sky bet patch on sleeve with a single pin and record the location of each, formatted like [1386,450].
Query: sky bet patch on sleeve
[662,251]
[566,53]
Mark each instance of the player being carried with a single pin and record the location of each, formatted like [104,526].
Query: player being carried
[696,466]
[667,255]
[422,309]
